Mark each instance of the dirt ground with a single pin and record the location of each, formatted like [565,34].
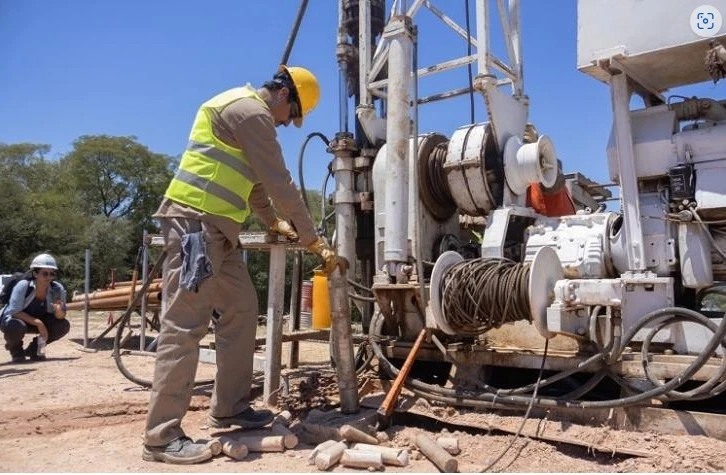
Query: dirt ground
[76,412]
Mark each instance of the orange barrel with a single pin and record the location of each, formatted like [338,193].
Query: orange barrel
[321,300]
[306,305]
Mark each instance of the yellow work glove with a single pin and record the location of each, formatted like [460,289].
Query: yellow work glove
[283,228]
[321,248]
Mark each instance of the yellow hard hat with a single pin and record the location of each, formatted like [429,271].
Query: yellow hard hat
[307,88]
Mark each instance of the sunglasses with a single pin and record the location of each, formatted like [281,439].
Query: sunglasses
[46,273]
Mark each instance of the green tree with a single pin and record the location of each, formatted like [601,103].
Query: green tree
[118,177]
[123,182]
[36,209]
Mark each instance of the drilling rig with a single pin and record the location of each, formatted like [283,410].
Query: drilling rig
[612,305]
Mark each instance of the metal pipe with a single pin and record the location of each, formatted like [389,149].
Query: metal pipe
[517,47]
[293,32]
[435,69]
[413,9]
[341,36]
[144,298]
[380,58]
[482,35]
[295,293]
[344,209]
[629,194]
[86,288]
[398,127]
[120,291]
[451,23]
[506,20]
[273,348]
[342,42]
[414,174]
[342,341]
[343,95]
[364,51]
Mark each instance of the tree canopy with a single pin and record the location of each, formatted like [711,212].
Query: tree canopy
[99,196]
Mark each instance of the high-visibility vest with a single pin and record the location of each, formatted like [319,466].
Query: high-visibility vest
[214,177]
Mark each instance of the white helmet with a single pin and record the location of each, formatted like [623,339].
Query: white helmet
[43,261]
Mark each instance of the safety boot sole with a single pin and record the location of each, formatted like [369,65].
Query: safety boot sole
[153,456]
[225,423]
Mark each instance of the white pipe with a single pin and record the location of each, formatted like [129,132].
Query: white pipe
[620,96]
[517,46]
[364,51]
[482,35]
[398,127]
[344,209]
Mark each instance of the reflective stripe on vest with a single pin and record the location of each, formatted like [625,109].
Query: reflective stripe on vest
[214,177]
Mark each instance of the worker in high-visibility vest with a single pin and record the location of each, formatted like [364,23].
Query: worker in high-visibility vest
[232,166]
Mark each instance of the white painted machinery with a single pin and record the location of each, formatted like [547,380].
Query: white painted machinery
[613,304]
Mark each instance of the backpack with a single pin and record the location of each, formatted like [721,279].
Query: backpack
[7,290]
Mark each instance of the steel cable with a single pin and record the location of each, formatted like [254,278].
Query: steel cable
[482,294]
[436,176]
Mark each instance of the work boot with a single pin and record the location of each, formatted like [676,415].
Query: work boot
[32,351]
[16,352]
[247,419]
[182,451]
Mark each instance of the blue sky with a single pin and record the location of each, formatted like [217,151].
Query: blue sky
[140,67]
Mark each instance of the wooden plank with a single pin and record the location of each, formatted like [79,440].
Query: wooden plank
[660,366]
[652,419]
[535,430]
[633,418]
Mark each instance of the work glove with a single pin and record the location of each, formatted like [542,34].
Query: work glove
[283,228]
[321,248]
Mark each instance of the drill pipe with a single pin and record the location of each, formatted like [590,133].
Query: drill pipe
[342,336]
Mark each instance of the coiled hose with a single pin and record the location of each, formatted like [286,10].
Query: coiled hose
[493,397]
[151,348]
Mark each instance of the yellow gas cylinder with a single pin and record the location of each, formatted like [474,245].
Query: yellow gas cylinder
[321,300]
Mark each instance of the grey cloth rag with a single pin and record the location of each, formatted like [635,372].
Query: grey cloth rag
[196,265]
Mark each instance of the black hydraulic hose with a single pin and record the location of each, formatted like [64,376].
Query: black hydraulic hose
[593,360]
[681,315]
[359,286]
[323,218]
[470,398]
[361,298]
[124,319]
[361,364]
[585,388]
[300,164]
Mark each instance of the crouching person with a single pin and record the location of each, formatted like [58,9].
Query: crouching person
[37,304]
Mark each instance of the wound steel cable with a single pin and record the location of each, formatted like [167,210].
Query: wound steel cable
[485,293]
[437,177]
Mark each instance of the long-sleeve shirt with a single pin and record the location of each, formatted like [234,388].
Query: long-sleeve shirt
[248,124]
[20,298]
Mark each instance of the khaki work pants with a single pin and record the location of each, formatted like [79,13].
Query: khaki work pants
[230,292]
